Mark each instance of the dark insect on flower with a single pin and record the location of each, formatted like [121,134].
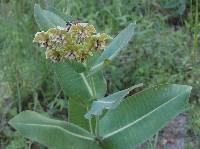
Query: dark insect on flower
[68,25]
[71,55]
[45,44]
[98,44]
[81,38]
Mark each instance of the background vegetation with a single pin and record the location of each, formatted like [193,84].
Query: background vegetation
[165,49]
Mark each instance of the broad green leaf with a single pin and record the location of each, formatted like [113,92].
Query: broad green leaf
[90,61]
[99,83]
[75,85]
[46,19]
[117,44]
[77,66]
[60,13]
[54,134]
[140,116]
[76,113]
[109,102]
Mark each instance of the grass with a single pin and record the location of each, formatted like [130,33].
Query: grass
[165,49]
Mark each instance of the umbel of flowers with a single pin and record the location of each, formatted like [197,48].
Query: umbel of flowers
[76,41]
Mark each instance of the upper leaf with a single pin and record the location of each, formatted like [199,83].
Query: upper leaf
[54,134]
[117,44]
[46,19]
[140,116]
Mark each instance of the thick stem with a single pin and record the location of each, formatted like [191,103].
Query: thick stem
[94,97]
[93,87]
[97,127]
[90,124]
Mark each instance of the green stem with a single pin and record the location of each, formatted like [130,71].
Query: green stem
[90,124]
[35,97]
[94,97]
[93,87]
[97,127]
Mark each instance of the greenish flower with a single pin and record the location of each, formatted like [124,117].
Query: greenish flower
[75,42]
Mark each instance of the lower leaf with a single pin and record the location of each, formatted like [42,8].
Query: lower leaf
[140,116]
[54,134]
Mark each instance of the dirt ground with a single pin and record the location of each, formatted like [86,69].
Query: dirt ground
[175,136]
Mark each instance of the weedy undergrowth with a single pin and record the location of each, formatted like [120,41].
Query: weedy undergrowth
[95,120]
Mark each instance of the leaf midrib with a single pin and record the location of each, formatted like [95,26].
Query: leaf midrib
[141,118]
[57,127]
[87,84]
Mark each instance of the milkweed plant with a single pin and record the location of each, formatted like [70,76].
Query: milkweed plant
[95,120]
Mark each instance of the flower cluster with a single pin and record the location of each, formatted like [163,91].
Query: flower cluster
[75,41]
